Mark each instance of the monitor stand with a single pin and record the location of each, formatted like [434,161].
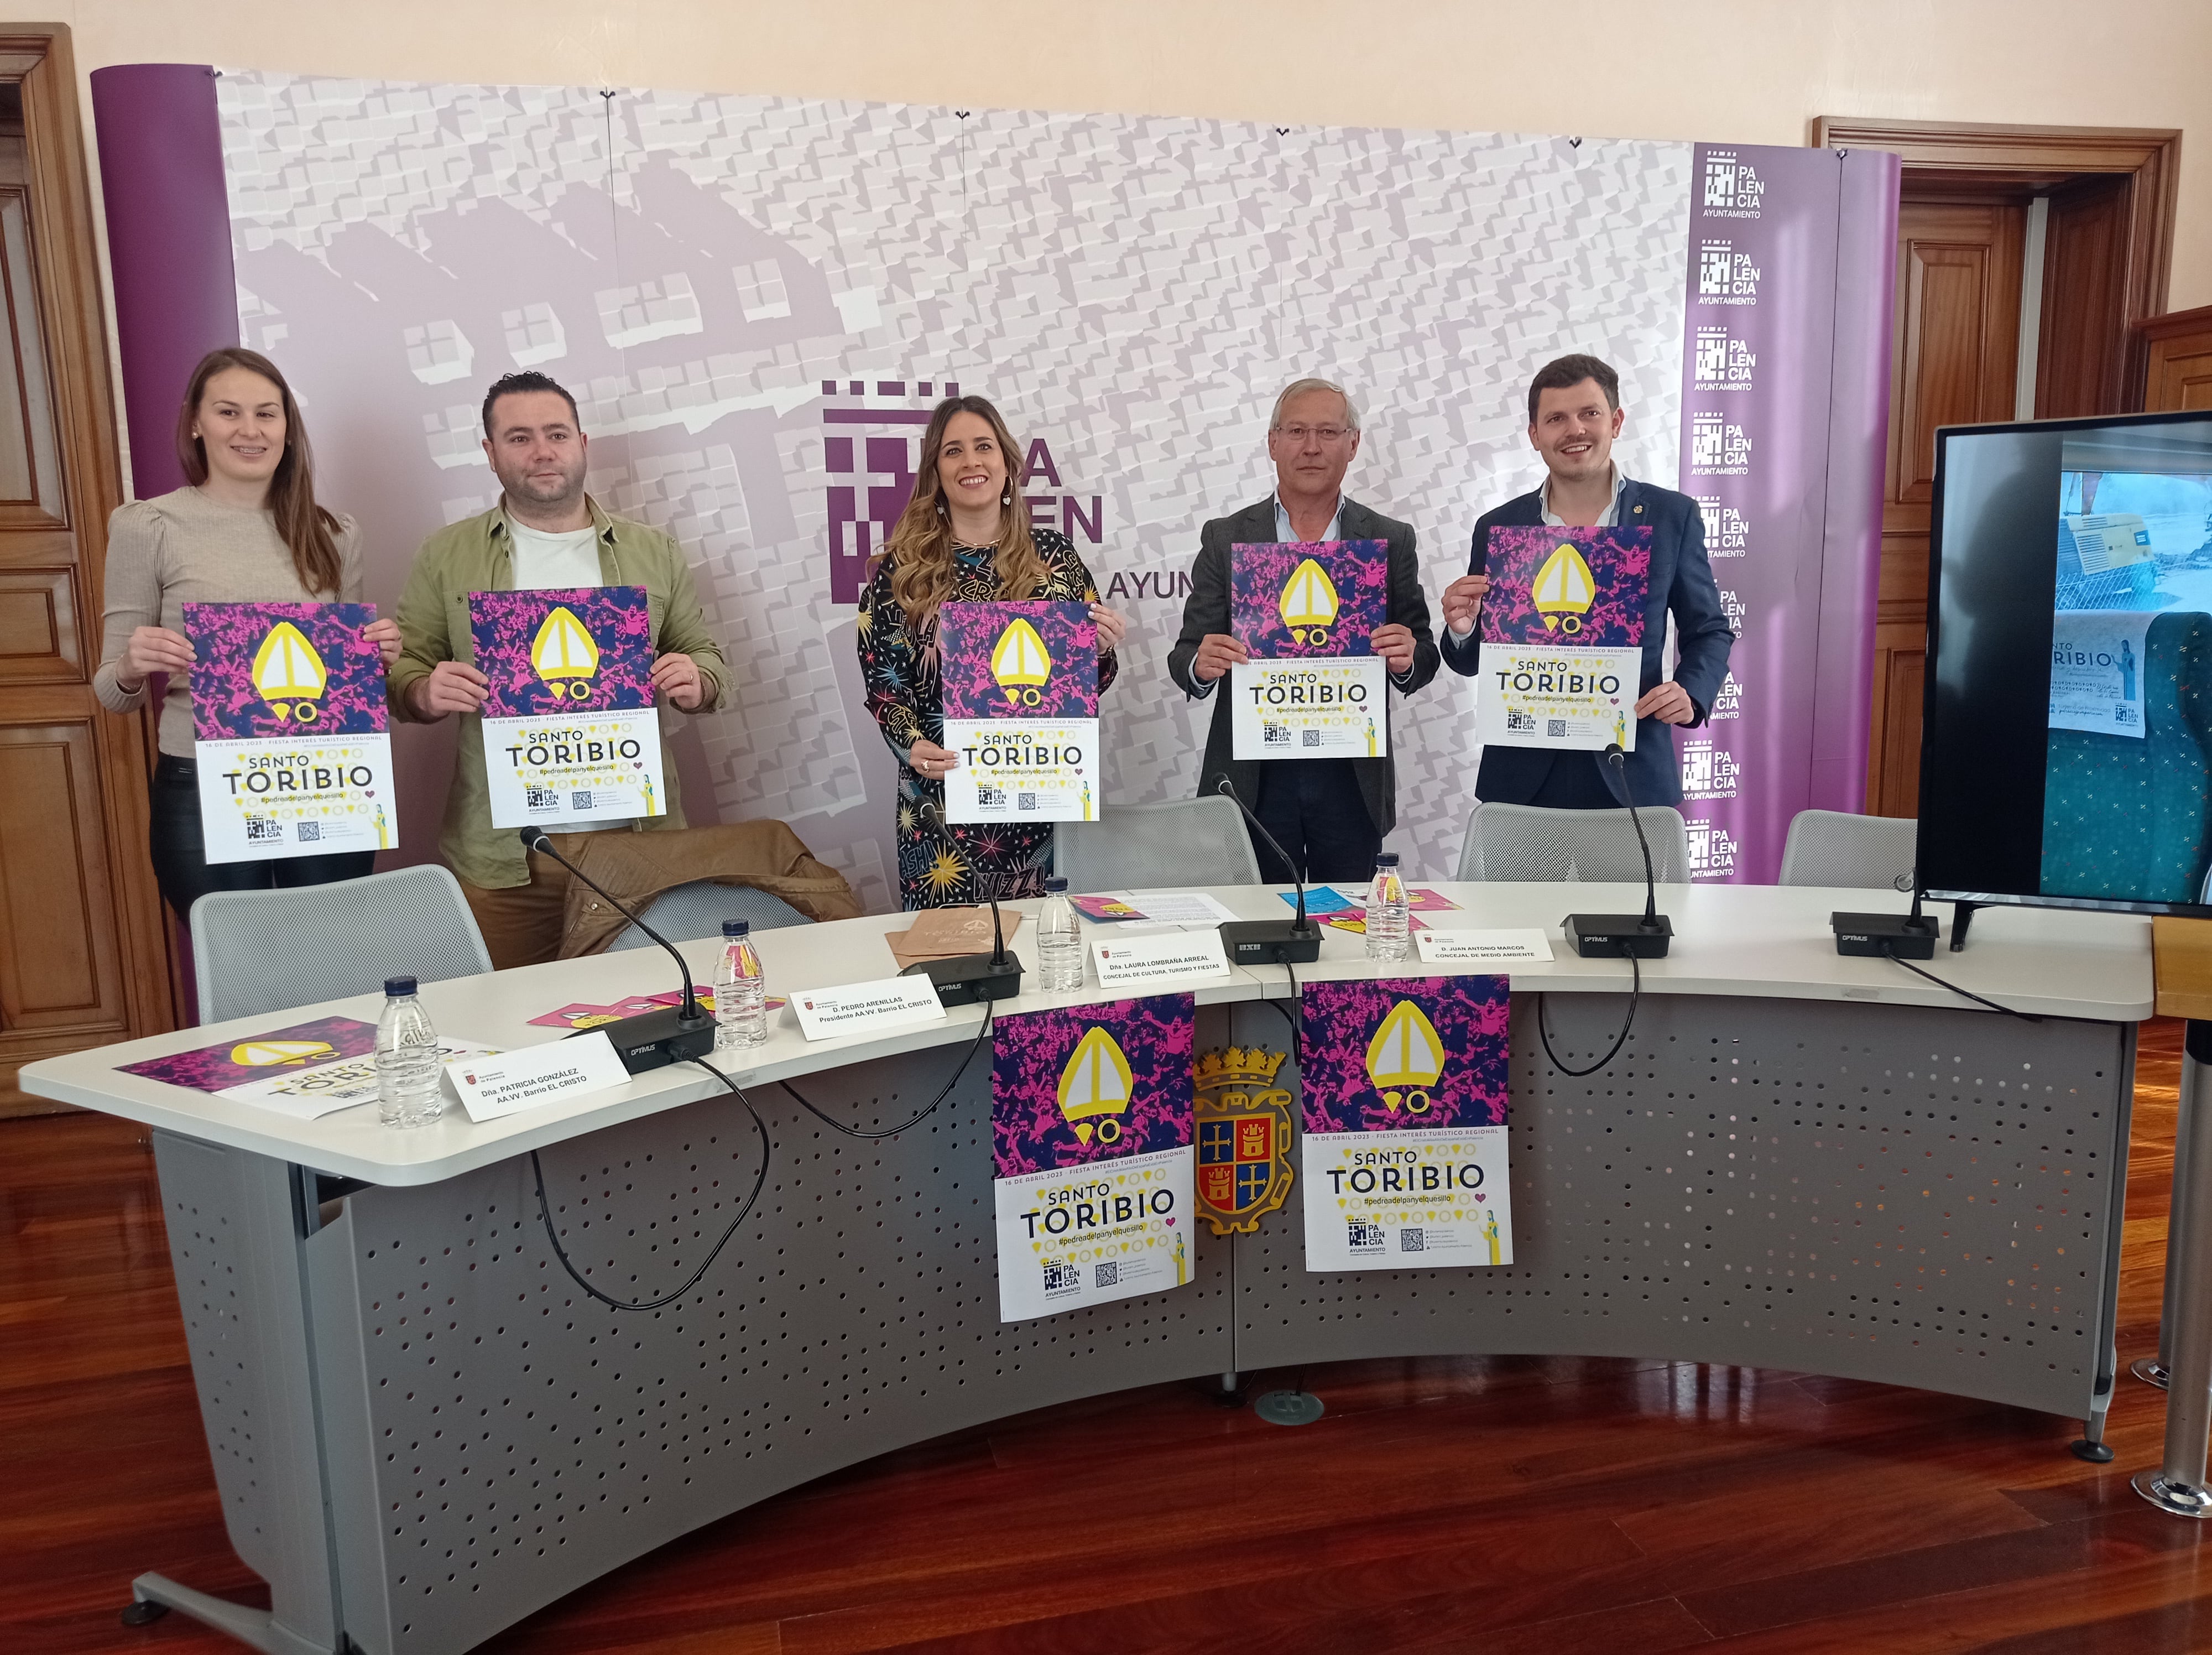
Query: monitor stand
[1962,916]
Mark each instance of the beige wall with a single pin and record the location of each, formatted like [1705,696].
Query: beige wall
[1755,71]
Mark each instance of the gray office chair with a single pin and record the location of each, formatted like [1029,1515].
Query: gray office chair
[685,913]
[269,951]
[1146,847]
[1524,842]
[1868,853]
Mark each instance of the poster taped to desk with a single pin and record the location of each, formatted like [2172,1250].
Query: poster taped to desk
[1562,654]
[1402,1142]
[1020,684]
[570,731]
[293,750]
[1307,612]
[1093,1134]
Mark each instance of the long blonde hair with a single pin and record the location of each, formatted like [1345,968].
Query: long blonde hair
[920,543]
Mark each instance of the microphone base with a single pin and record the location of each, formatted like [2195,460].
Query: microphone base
[653,1040]
[1617,936]
[1270,942]
[970,979]
[1893,936]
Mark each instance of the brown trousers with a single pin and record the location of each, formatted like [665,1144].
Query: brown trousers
[522,923]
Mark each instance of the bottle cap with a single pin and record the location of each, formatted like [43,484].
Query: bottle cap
[396,986]
[1386,858]
[734,928]
[1055,886]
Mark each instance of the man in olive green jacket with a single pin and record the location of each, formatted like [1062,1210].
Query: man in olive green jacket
[545,532]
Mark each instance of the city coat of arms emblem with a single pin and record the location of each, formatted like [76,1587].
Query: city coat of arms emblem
[1243,1138]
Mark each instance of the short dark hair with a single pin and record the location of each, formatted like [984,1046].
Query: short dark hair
[529,379]
[1565,373]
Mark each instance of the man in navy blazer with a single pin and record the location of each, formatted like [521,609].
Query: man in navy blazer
[1574,415]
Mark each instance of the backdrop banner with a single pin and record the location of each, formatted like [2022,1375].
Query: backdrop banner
[757,300]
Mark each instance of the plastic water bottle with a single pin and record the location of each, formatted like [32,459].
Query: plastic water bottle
[740,991]
[1386,911]
[1059,940]
[407,1067]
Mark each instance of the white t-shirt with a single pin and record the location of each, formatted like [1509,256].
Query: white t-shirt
[543,562]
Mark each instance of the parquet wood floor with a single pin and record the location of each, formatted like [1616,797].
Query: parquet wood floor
[1507,1506]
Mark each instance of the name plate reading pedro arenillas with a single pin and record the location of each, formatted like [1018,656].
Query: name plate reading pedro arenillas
[1562,654]
[1307,612]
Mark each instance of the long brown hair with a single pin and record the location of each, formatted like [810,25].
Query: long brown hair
[306,528]
[920,543]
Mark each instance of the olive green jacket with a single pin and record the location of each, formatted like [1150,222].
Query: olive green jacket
[473,556]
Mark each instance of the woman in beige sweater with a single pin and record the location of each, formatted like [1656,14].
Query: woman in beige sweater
[247,530]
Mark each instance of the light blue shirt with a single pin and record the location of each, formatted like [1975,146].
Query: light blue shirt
[1335,522]
[1611,517]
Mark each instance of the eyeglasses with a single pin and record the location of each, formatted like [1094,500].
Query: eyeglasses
[1324,434]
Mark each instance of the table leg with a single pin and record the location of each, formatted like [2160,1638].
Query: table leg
[2152,1370]
[2178,1485]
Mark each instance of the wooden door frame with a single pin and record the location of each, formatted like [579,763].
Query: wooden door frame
[72,311]
[1966,154]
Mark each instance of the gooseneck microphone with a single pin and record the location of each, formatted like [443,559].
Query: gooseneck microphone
[1891,936]
[1617,936]
[651,1040]
[1270,942]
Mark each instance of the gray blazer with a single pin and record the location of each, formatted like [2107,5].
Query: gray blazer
[1207,610]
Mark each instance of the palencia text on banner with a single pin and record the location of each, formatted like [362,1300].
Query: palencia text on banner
[289,730]
[1020,699]
[1403,1151]
[1307,613]
[570,732]
[1093,1132]
[1562,654]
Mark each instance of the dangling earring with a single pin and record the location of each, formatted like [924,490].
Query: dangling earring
[940,508]
[1008,498]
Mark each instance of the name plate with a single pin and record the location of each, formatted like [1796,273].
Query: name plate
[1143,962]
[1481,947]
[892,1003]
[508,1082]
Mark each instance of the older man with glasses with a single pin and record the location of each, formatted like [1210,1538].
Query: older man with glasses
[1330,814]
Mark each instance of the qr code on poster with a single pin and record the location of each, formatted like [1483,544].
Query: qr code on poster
[263,831]
[1027,801]
[991,798]
[540,799]
[1519,723]
[311,833]
[1107,1275]
[1366,1238]
[1309,738]
[1409,1241]
[1062,1277]
[1274,735]
[579,801]
[1555,727]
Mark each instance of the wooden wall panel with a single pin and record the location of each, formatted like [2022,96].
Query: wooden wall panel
[2177,353]
[2081,363]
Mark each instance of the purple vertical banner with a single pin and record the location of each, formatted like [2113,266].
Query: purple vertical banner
[1773,291]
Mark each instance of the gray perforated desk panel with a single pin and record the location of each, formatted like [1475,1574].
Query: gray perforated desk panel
[1912,1193]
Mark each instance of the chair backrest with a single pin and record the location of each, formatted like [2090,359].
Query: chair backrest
[269,951]
[1527,842]
[1867,853]
[1145,846]
[685,913]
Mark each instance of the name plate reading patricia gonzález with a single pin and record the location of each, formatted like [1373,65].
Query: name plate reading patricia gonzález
[493,1084]
[1145,961]
[890,1002]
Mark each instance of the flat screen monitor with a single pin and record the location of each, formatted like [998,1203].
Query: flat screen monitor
[2066,756]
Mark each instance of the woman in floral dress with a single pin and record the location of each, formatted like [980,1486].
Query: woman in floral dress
[963,537]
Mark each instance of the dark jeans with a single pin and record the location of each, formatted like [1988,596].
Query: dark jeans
[1314,807]
[180,863]
[1576,784]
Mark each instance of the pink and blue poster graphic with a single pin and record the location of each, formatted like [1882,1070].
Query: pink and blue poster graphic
[571,734]
[1307,612]
[1020,685]
[1092,1131]
[218,1068]
[1404,1099]
[1562,657]
[288,726]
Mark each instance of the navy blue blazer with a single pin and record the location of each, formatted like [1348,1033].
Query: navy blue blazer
[1683,582]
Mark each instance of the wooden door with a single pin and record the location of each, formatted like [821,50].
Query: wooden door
[1954,361]
[83,949]
[2177,352]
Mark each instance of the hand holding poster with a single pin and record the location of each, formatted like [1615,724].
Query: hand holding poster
[1404,1098]
[570,732]
[1092,1126]
[1307,612]
[1021,709]
[1562,656]
[288,726]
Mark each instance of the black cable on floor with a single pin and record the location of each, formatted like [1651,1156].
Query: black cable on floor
[1963,994]
[546,1210]
[1635,994]
[990,1013]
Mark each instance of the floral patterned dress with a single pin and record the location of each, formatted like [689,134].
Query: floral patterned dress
[944,866]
